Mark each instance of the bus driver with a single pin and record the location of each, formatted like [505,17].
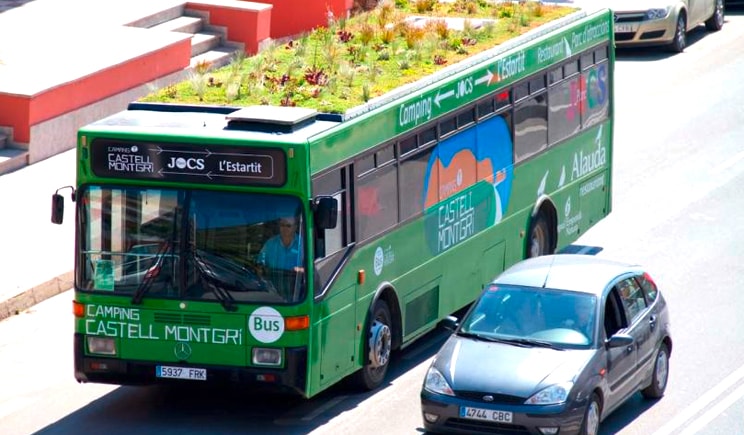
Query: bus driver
[284,250]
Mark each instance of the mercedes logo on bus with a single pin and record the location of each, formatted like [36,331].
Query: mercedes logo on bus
[182,351]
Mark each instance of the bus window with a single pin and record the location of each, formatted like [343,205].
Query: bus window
[596,105]
[377,201]
[530,127]
[563,110]
[412,179]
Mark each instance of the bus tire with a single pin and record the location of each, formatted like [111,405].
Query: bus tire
[540,239]
[378,347]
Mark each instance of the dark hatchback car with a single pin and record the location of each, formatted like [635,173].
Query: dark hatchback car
[552,346]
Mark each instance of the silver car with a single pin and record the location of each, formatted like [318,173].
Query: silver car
[552,346]
[664,23]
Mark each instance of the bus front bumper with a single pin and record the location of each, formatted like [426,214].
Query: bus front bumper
[291,379]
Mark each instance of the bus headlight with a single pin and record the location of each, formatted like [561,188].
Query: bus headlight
[102,345]
[267,357]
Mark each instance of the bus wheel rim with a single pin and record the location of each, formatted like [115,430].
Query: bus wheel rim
[379,344]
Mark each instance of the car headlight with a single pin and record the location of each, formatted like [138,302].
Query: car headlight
[436,383]
[656,14]
[551,395]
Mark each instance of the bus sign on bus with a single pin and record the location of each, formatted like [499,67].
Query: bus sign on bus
[178,162]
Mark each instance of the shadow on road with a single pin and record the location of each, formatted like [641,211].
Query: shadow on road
[195,409]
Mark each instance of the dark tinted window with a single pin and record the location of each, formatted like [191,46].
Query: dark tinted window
[597,94]
[530,127]
[563,111]
[447,126]
[365,164]
[427,136]
[465,118]
[377,201]
[571,68]
[412,178]
[485,107]
[385,155]
[521,91]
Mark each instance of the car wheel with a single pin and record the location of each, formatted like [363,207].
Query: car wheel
[680,35]
[715,22]
[378,348]
[540,240]
[590,425]
[660,375]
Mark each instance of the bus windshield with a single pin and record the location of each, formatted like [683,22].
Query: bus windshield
[191,245]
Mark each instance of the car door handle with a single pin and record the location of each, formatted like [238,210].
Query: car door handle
[629,349]
[652,321]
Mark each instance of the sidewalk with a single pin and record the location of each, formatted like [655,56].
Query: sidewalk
[36,256]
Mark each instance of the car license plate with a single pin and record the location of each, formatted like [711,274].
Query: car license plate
[624,28]
[189,373]
[485,414]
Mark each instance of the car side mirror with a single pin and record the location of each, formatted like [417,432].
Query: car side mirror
[326,212]
[450,322]
[619,340]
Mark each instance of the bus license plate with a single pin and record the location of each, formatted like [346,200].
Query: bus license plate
[189,373]
[485,414]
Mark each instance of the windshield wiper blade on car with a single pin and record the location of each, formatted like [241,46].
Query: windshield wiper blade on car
[479,336]
[531,342]
[219,292]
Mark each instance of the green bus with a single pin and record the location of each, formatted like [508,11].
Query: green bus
[288,249]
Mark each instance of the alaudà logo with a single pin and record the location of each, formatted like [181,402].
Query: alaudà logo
[586,163]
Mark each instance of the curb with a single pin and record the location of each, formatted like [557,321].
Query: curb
[34,295]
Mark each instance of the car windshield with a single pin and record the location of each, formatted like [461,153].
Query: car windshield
[192,245]
[562,318]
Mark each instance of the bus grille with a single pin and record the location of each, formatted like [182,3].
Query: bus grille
[495,398]
[182,319]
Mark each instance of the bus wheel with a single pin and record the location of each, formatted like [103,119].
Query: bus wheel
[379,346]
[539,242]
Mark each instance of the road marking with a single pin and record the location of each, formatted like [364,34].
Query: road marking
[701,403]
[714,412]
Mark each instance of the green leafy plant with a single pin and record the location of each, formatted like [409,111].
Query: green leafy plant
[350,61]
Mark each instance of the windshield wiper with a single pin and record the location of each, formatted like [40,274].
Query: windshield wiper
[522,342]
[152,272]
[479,336]
[531,342]
[219,292]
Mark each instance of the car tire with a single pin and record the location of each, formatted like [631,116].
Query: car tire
[592,417]
[540,241]
[715,22]
[378,347]
[660,375]
[680,34]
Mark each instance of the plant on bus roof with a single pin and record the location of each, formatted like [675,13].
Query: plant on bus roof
[350,61]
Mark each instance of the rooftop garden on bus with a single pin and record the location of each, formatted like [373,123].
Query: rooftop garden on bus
[353,60]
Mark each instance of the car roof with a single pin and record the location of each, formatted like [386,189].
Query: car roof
[583,273]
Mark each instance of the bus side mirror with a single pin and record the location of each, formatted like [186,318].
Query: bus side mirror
[326,212]
[58,208]
[58,205]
